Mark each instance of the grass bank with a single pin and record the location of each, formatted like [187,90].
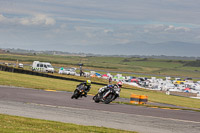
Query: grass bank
[13,124]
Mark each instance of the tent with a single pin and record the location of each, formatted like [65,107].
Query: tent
[97,74]
[134,80]
[122,78]
[104,75]
[115,78]
[187,89]
[93,76]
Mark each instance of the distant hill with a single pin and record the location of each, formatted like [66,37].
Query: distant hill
[140,49]
[143,48]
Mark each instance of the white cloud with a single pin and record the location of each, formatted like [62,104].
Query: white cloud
[154,28]
[75,19]
[165,28]
[108,31]
[6,20]
[39,19]
[173,28]
[2,18]
[122,41]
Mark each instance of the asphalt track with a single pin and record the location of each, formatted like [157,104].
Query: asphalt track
[59,106]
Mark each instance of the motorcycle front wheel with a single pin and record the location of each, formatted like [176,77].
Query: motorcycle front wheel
[75,95]
[108,99]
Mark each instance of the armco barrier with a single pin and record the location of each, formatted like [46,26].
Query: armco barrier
[184,94]
[138,99]
[19,70]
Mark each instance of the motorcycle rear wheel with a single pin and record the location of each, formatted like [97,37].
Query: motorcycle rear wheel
[96,99]
[75,95]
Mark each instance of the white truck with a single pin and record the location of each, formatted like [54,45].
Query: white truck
[42,67]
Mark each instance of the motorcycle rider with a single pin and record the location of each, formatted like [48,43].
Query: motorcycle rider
[115,87]
[87,87]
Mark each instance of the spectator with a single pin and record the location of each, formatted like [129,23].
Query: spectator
[110,80]
[81,72]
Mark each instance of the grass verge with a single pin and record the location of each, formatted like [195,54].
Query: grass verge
[13,124]
[155,106]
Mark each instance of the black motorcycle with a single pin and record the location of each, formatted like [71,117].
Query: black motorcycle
[105,97]
[79,92]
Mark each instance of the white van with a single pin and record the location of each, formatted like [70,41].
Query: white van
[20,65]
[42,67]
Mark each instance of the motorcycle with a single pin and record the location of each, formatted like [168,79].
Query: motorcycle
[79,92]
[107,96]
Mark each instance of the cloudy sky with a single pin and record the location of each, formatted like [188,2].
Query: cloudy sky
[56,24]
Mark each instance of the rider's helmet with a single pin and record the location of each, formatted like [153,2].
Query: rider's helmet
[88,82]
[119,84]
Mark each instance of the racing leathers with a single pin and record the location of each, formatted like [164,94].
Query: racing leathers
[86,88]
[115,87]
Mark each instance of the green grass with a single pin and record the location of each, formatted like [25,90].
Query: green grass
[16,124]
[158,97]
[37,82]
[30,81]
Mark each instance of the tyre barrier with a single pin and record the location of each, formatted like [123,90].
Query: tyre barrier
[138,99]
[135,99]
[143,99]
